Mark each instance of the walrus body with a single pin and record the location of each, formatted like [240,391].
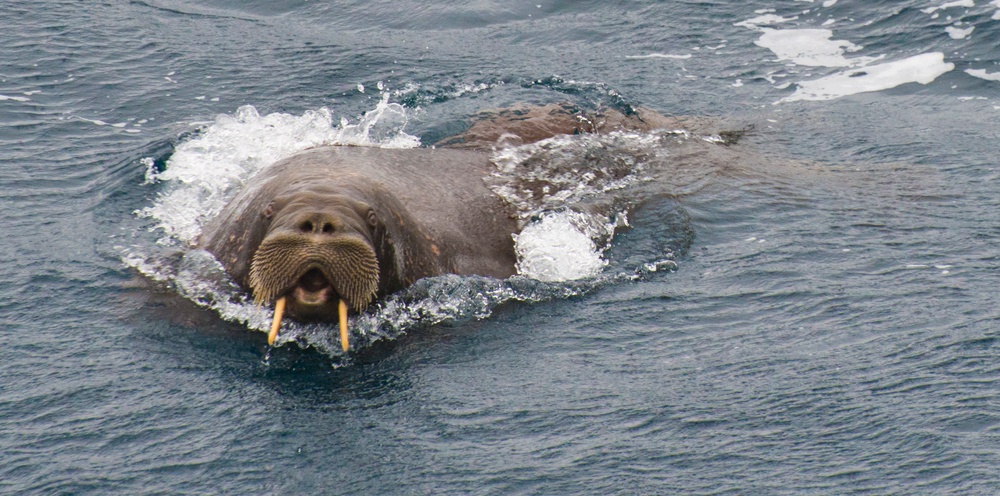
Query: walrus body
[419,212]
[340,226]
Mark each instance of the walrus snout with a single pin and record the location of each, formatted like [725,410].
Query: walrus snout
[316,271]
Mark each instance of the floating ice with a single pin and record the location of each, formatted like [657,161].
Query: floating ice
[922,69]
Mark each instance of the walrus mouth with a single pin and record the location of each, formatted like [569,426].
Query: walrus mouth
[314,273]
[279,312]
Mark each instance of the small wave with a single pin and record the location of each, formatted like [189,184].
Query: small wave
[659,56]
[14,98]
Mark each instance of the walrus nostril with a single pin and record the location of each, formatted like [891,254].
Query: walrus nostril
[317,226]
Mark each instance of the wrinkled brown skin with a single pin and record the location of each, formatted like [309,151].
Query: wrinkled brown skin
[433,213]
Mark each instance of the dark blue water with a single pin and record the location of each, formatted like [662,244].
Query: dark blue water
[831,325]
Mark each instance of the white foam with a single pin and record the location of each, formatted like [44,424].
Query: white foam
[14,98]
[956,3]
[558,248]
[540,179]
[808,47]
[923,69]
[957,33]
[449,92]
[982,74]
[764,20]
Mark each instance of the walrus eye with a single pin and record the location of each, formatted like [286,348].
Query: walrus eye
[268,211]
[372,219]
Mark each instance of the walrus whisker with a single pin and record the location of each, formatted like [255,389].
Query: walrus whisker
[349,266]
[279,310]
[342,312]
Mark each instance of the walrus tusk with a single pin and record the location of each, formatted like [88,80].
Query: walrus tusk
[343,325]
[279,310]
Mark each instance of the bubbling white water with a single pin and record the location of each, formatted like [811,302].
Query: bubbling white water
[557,248]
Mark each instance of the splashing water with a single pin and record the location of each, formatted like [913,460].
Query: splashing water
[557,248]
[205,171]
[570,170]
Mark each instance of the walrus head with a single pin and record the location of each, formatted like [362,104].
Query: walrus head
[317,257]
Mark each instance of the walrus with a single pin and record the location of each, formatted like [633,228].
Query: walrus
[335,228]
